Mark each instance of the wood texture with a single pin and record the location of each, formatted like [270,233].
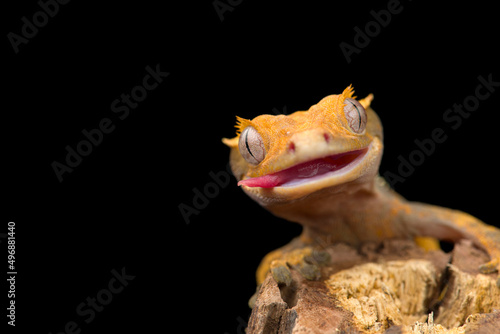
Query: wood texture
[393,288]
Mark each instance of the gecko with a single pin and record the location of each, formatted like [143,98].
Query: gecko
[320,168]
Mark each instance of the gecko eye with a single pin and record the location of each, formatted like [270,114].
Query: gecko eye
[355,114]
[251,146]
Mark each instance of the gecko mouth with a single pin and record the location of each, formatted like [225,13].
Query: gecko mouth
[307,171]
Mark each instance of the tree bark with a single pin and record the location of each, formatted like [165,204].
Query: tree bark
[393,288]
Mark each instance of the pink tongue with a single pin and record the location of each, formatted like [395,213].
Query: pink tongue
[303,170]
[266,181]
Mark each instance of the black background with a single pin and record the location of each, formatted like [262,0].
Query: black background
[119,207]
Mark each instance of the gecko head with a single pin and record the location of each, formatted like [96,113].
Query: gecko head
[280,158]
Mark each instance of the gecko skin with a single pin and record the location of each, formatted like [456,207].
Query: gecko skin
[319,168]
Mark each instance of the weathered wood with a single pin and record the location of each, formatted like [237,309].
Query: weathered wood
[396,288]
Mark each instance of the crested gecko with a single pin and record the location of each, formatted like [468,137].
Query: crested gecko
[319,168]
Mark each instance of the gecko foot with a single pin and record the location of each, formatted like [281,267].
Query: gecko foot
[490,267]
[295,256]
[304,260]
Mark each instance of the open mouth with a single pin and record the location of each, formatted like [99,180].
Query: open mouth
[306,171]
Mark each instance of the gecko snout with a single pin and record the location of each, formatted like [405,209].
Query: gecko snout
[310,142]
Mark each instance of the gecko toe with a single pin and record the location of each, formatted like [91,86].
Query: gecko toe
[309,271]
[282,275]
[253,299]
[320,257]
[489,267]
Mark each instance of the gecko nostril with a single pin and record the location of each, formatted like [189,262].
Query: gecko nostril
[291,147]
[327,137]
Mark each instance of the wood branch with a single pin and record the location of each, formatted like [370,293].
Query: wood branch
[396,288]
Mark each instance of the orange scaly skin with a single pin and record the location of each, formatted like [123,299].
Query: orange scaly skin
[351,205]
